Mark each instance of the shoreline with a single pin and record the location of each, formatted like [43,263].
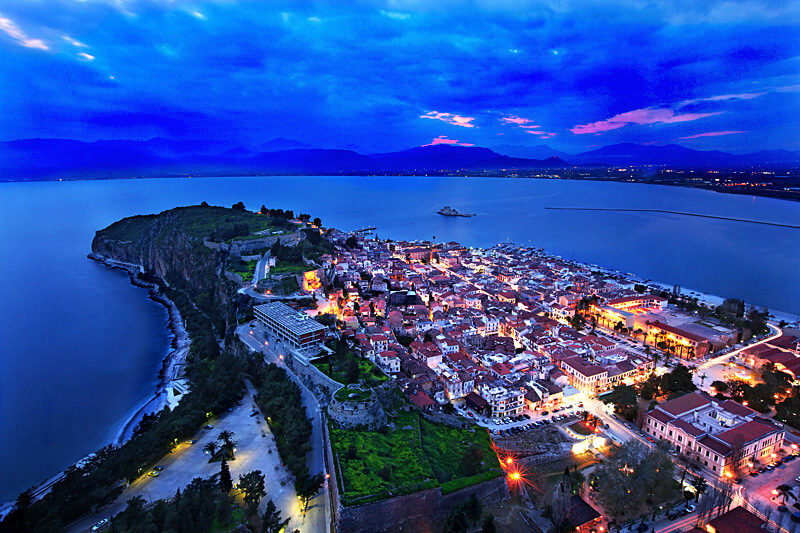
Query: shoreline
[173,361]
[171,367]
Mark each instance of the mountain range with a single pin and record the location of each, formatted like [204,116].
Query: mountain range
[36,159]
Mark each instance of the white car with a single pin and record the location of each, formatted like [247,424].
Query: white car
[101,525]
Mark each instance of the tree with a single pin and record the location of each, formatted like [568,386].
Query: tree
[720,386]
[252,485]
[473,508]
[351,241]
[700,485]
[624,399]
[308,487]
[488,525]
[272,519]
[211,449]
[225,480]
[318,222]
[784,491]
[353,372]
[238,206]
[228,444]
[471,461]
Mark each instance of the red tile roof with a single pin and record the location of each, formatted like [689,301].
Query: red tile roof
[747,432]
[685,403]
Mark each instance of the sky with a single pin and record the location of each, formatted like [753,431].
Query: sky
[383,75]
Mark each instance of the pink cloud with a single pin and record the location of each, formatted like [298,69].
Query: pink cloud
[542,134]
[442,139]
[455,120]
[519,121]
[711,134]
[648,115]
[15,32]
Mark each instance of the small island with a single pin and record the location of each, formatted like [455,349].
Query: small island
[450,212]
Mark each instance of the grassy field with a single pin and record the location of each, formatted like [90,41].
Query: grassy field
[418,454]
[337,370]
[198,222]
[352,395]
[289,268]
[444,446]
[246,269]
[381,463]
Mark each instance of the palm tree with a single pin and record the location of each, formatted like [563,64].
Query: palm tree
[699,484]
[228,444]
[211,449]
[784,491]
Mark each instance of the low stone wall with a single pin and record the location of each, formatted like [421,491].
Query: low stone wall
[315,380]
[234,277]
[238,248]
[368,413]
[421,511]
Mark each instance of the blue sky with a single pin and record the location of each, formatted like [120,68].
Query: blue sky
[382,75]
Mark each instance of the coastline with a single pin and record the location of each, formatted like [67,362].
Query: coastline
[173,361]
[171,368]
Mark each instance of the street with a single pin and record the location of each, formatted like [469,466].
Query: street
[255,450]
[317,517]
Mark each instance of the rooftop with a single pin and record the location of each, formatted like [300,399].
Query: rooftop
[284,315]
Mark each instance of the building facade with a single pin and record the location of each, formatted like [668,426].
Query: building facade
[293,327]
[723,436]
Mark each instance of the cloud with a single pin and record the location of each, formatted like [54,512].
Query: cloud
[442,139]
[722,98]
[455,120]
[198,15]
[86,57]
[74,42]
[16,33]
[519,121]
[647,115]
[396,15]
[711,134]
[542,134]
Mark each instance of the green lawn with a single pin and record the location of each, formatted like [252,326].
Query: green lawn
[445,446]
[424,456]
[393,462]
[367,371]
[246,269]
[283,267]
[352,395]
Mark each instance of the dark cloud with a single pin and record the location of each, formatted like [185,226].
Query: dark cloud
[365,72]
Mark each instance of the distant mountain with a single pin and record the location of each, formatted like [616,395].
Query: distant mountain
[680,156]
[433,157]
[281,143]
[540,151]
[32,159]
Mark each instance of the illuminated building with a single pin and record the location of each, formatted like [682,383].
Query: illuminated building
[723,436]
[296,328]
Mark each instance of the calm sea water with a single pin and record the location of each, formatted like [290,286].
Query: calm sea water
[80,348]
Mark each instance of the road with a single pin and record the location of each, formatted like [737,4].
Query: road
[255,450]
[714,369]
[262,269]
[317,517]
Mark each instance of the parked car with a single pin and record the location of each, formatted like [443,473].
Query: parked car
[208,426]
[154,473]
[690,507]
[101,525]
[159,468]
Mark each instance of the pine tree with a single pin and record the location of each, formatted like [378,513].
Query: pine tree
[225,480]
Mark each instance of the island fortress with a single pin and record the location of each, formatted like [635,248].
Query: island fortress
[721,435]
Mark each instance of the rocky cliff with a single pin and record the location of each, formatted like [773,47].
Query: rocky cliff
[170,245]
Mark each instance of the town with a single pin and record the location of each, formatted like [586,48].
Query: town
[514,340]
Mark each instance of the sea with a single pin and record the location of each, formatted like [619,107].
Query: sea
[80,348]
